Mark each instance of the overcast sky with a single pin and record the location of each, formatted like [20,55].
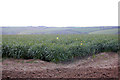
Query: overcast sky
[59,13]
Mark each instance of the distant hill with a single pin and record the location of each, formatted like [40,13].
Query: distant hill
[108,31]
[59,30]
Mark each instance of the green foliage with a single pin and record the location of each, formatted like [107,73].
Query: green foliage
[47,47]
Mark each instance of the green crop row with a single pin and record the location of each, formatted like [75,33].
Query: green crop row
[57,47]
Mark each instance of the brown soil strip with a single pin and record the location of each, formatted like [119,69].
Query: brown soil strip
[103,65]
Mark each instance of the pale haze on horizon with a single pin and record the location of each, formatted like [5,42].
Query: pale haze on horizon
[59,13]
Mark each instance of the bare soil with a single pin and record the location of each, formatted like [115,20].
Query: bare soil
[103,65]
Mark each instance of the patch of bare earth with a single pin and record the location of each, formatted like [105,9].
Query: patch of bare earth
[103,65]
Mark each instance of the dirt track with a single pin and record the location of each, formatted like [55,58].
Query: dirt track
[103,65]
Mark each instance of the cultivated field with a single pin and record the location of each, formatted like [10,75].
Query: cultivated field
[57,48]
[60,56]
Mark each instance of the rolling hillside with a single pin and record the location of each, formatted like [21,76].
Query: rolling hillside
[109,31]
[59,30]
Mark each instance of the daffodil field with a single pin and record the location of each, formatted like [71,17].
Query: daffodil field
[55,48]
